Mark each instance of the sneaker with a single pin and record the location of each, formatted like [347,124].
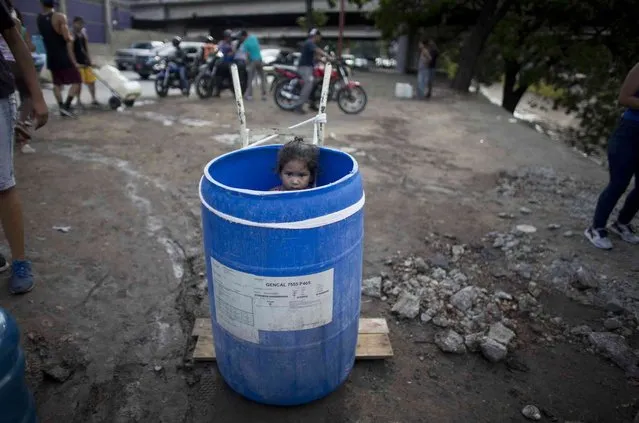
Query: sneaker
[599,238]
[96,103]
[27,149]
[21,280]
[4,264]
[67,112]
[625,232]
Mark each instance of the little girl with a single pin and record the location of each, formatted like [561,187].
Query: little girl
[297,165]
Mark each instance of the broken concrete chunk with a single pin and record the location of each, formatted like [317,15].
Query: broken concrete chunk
[614,348]
[503,296]
[584,279]
[57,373]
[581,330]
[612,323]
[458,252]
[420,265]
[614,306]
[531,413]
[439,260]
[441,321]
[463,299]
[450,341]
[372,287]
[525,229]
[493,350]
[473,341]
[534,289]
[407,305]
[425,317]
[501,333]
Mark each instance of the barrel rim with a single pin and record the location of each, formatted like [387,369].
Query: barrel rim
[257,193]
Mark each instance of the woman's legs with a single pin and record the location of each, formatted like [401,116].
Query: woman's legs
[252,73]
[631,205]
[421,83]
[623,161]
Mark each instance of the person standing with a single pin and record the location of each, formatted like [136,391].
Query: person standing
[228,56]
[81,52]
[422,69]
[61,60]
[306,64]
[623,164]
[433,52]
[256,67]
[21,279]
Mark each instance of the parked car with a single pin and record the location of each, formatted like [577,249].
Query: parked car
[385,62]
[126,58]
[40,55]
[150,63]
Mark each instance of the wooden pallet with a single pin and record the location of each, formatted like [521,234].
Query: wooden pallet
[373,342]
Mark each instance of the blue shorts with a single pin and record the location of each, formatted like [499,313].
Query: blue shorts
[7,124]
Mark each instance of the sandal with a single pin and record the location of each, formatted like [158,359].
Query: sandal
[22,131]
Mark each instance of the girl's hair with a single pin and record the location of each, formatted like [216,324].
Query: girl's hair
[299,150]
[19,15]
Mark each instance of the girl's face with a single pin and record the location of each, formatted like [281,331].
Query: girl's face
[295,175]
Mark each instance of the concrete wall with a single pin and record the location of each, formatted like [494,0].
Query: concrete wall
[93,12]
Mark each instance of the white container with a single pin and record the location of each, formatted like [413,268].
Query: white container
[125,88]
[403,90]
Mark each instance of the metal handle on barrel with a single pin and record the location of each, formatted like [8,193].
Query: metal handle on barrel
[239,101]
[319,121]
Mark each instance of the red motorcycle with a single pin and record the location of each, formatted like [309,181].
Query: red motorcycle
[350,95]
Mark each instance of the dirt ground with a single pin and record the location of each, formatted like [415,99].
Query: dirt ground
[107,329]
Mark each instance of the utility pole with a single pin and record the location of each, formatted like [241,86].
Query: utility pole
[340,38]
[309,14]
[108,22]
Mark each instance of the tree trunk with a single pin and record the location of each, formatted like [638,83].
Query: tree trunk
[511,95]
[309,14]
[489,17]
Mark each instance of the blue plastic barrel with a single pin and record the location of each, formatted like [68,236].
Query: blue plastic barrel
[284,274]
[16,402]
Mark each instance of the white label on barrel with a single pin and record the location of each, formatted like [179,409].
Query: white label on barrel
[246,304]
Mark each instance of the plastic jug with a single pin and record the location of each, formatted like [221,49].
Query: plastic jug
[403,90]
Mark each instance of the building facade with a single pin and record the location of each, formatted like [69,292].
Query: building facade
[265,18]
[96,14]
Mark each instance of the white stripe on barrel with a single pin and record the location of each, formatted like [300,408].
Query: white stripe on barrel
[315,222]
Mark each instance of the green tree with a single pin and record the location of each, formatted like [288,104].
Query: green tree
[597,68]
[318,20]
[529,44]
[314,18]
[396,17]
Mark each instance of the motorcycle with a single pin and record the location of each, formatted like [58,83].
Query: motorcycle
[169,77]
[282,71]
[350,95]
[206,81]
